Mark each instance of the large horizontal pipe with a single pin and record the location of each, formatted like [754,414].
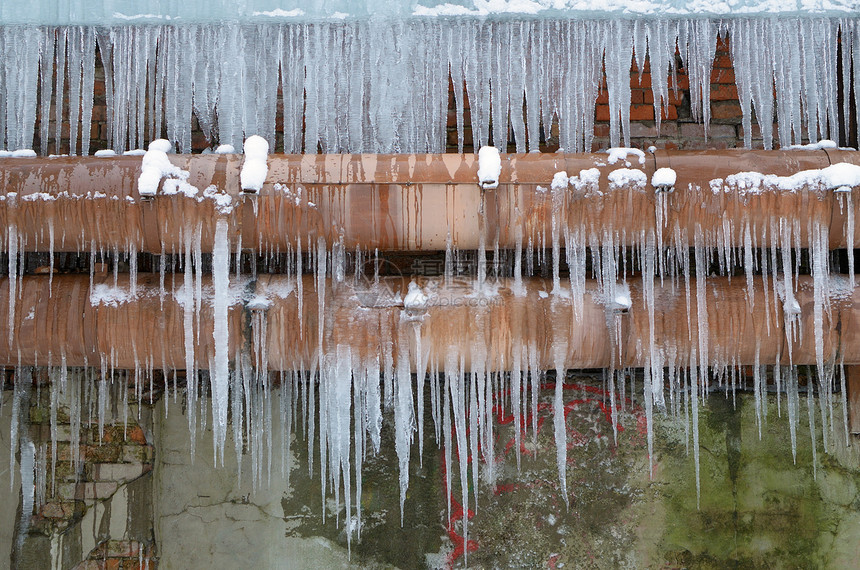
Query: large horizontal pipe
[407,202]
[70,320]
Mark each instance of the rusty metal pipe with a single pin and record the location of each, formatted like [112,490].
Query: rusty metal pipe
[146,328]
[396,202]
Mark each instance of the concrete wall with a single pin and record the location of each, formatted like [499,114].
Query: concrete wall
[206,518]
[758,508]
[10,494]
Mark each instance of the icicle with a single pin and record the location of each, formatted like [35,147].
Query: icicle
[697,44]
[220,376]
[758,387]
[618,55]
[849,233]
[701,300]
[340,408]
[810,408]
[559,424]
[694,400]
[458,403]
[12,244]
[843,389]
[46,66]
[661,51]
[28,487]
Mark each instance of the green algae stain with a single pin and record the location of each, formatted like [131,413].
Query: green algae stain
[757,509]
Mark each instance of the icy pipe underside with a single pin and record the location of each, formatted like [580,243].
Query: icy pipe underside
[108,320]
[382,85]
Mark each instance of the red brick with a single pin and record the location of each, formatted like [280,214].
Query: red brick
[725,110]
[670,113]
[645,68]
[723,92]
[682,81]
[723,61]
[723,76]
[99,113]
[603,97]
[601,113]
[644,81]
[641,113]
[637,96]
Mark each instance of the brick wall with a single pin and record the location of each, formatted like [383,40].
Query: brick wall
[94,513]
[678,129]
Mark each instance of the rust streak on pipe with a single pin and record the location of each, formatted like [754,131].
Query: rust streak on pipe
[396,202]
[84,325]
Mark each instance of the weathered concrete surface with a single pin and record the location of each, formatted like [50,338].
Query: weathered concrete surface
[758,509]
[206,518]
[9,494]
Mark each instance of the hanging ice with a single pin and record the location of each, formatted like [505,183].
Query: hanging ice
[232,78]
[221,302]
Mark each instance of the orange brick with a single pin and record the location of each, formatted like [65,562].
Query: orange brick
[601,113]
[723,61]
[725,110]
[641,113]
[644,81]
[723,76]
[669,114]
[637,96]
[723,92]
[603,97]
[674,99]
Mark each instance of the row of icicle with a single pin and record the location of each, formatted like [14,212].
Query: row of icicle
[383,86]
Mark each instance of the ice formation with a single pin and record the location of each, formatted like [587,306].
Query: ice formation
[345,378]
[519,75]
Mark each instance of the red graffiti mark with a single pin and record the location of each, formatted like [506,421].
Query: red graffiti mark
[456,514]
[574,439]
